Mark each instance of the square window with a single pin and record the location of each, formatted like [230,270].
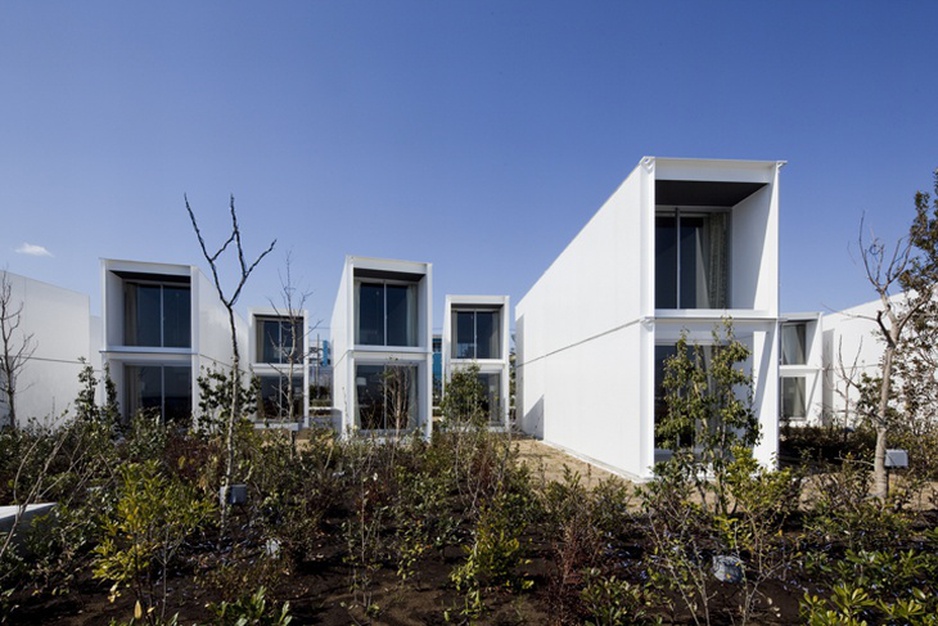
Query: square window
[386,314]
[386,397]
[157,315]
[476,334]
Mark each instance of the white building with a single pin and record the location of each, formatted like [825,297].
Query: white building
[853,347]
[279,356]
[680,245]
[163,325]
[382,348]
[60,327]
[476,331]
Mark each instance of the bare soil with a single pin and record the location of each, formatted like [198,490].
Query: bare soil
[549,463]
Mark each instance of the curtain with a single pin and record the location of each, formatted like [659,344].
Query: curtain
[716,266]
[412,315]
[357,307]
[130,314]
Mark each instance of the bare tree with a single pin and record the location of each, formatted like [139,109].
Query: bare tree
[17,347]
[229,301]
[397,383]
[292,351]
[904,278]
[851,387]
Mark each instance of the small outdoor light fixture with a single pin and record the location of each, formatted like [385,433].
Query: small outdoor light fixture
[897,459]
[235,494]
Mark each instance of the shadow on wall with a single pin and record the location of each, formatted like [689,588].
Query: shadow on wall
[532,422]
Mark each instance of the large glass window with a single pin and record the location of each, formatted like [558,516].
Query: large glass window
[386,314]
[274,398]
[793,397]
[492,397]
[476,335]
[157,315]
[691,260]
[386,396]
[279,340]
[662,354]
[793,343]
[159,389]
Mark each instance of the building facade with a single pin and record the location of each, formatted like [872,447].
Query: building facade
[681,245]
[279,355]
[476,332]
[164,325]
[55,330]
[381,339]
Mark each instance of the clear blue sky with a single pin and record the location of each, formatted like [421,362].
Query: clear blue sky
[478,135]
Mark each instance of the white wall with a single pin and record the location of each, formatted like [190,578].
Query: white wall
[851,346]
[59,321]
[579,338]
[343,340]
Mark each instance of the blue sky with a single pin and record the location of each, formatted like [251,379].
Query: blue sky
[480,136]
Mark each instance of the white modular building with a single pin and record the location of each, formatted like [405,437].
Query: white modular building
[279,353]
[164,325]
[476,331]
[678,247]
[382,354]
[56,328]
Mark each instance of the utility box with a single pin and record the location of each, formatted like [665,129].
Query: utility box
[897,459]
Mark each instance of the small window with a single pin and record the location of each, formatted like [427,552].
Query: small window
[492,398]
[793,343]
[275,395]
[279,340]
[793,398]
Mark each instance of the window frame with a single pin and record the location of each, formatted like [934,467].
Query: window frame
[283,324]
[133,399]
[412,319]
[801,392]
[132,311]
[413,392]
[496,313]
[802,339]
[677,212]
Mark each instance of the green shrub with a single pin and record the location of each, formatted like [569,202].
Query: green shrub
[152,518]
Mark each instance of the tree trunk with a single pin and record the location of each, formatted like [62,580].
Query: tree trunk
[880,481]
[233,417]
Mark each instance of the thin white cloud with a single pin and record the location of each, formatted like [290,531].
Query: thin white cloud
[33,250]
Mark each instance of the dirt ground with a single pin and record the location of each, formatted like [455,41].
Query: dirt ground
[547,463]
